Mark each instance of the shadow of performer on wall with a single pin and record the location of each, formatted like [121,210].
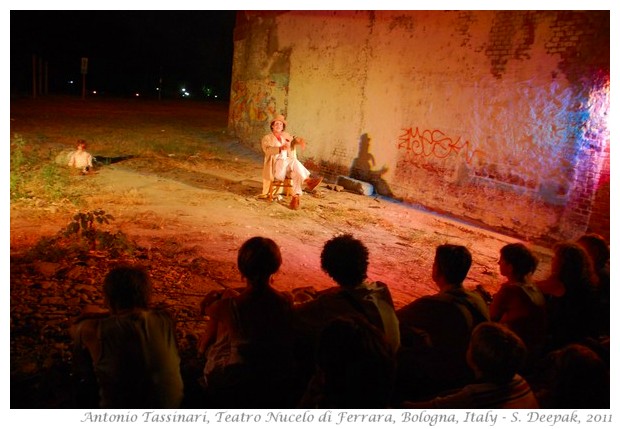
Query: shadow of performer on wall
[362,168]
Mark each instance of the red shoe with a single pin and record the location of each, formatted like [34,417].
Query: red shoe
[295,202]
[313,182]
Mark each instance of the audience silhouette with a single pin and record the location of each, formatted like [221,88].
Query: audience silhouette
[597,249]
[436,328]
[355,367]
[536,344]
[131,350]
[345,259]
[496,355]
[248,341]
[571,296]
[574,376]
[518,303]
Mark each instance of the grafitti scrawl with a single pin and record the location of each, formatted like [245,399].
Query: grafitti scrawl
[433,143]
[252,101]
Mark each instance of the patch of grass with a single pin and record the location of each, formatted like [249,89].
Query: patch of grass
[34,175]
[18,164]
[54,181]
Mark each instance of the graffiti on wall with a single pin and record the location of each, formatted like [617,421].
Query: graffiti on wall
[433,144]
[419,146]
[252,102]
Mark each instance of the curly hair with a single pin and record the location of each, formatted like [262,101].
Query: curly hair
[596,246]
[496,351]
[573,267]
[345,259]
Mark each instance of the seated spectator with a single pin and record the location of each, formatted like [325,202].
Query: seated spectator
[436,328]
[131,350]
[248,342]
[345,259]
[355,367]
[496,355]
[518,303]
[597,249]
[575,377]
[570,295]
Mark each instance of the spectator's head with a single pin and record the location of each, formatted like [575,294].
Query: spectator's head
[356,364]
[520,260]
[579,378]
[258,259]
[572,266]
[451,264]
[495,353]
[596,246]
[81,144]
[126,287]
[345,259]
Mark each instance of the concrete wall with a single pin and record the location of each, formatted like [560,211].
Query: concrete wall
[498,117]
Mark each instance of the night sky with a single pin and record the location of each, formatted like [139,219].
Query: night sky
[128,51]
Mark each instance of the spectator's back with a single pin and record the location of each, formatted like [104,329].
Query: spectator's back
[435,329]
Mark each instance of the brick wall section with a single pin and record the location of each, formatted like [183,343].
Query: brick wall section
[582,41]
[600,218]
[505,43]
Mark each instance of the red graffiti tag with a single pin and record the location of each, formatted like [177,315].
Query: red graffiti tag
[433,143]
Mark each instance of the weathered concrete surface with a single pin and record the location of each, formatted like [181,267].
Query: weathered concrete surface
[494,116]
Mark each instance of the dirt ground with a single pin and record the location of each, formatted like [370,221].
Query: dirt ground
[211,206]
[189,215]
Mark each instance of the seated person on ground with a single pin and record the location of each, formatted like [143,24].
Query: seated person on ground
[345,259]
[355,367]
[435,329]
[248,341]
[131,350]
[570,292]
[598,250]
[519,304]
[81,159]
[496,355]
[574,377]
